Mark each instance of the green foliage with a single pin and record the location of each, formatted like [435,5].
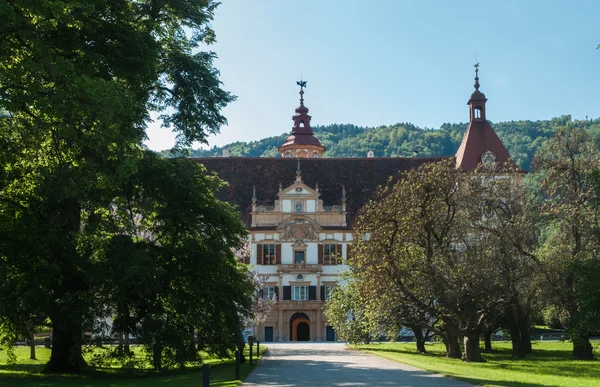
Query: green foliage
[569,217]
[77,79]
[346,313]
[521,138]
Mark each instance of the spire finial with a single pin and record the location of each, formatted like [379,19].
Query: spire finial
[253,194]
[344,193]
[298,173]
[476,76]
[302,85]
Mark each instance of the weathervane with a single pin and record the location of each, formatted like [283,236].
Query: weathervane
[476,75]
[302,85]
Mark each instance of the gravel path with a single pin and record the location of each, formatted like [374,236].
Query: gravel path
[330,364]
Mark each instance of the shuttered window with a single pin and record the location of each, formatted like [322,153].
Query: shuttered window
[268,254]
[332,254]
[299,293]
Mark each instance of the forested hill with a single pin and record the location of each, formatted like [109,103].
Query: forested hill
[522,139]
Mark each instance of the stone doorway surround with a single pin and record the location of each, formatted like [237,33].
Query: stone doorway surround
[295,320]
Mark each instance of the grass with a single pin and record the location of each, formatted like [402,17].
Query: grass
[550,365]
[29,373]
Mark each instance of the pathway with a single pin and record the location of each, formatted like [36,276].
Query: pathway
[330,364]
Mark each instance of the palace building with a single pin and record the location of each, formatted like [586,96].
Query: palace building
[299,209]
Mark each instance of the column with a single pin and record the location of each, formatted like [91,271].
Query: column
[318,311]
[280,332]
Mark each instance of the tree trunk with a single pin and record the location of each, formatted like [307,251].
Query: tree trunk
[487,341]
[192,352]
[157,355]
[525,338]
[472,351]
[450,340]
[420,339]
[518,352]
[121,344]
[514,327]
[126,343]
[582,349]
[66,354]
[32,347]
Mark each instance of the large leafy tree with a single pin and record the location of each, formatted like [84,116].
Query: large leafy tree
[77,79]
[570,207]
[428,239]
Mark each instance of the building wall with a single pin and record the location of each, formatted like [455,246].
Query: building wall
[276,225]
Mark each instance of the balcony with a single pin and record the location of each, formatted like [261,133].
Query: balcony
[299,268]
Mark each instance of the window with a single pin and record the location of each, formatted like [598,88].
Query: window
[478,112]
[327,292]
[268,255]
[299,257]
[269,292]
[330,254]
[300,293]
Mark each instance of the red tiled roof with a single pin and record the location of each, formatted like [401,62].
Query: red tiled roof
[478,139]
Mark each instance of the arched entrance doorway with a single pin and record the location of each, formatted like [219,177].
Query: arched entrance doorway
[299,327]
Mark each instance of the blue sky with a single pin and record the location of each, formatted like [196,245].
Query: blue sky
[381,62]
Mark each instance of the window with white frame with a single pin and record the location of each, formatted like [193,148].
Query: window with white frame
[269,292]
[330,254]
[269,254]
[300,293]
[327,292]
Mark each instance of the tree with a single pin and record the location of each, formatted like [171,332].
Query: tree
[569,165]
[416,240]
[437,240]
[346,313]
[77,79]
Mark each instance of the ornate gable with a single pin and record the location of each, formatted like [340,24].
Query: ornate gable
[298,210]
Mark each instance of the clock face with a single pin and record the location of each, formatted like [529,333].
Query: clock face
[488,157]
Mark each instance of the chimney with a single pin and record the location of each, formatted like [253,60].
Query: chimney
[225,152]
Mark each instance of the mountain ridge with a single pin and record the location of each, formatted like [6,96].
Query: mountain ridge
[521,138]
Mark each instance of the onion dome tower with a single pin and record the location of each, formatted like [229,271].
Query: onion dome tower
[480,143]
[301,143]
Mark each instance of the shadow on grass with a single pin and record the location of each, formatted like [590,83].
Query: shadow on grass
[543,362]
[221,374]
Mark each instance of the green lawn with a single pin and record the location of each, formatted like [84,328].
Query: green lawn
[550,365]
[28,373]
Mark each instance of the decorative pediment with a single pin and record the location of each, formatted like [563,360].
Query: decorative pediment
[299,229]
[299,189]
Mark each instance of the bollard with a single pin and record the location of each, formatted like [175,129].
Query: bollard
[257,349]
[250,343]
[237,365]
[206,375]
